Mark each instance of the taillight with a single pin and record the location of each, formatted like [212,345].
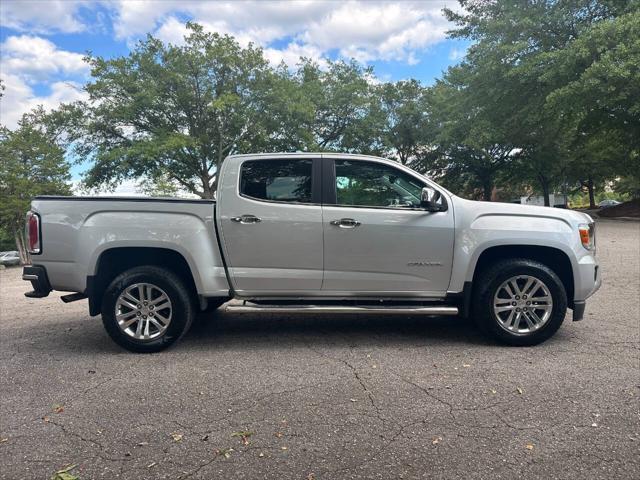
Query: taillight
[33,232]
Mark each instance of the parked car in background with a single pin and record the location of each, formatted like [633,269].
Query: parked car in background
[608,203]
[319,232]
[9,258]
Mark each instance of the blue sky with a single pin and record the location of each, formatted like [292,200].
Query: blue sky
[42,42]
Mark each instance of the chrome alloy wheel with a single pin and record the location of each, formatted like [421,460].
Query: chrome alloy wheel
[522,304]
[143,311]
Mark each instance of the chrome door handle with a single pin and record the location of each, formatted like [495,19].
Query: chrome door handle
[246,219]
[345,223]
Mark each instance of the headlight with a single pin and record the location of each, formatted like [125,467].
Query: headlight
[588,235]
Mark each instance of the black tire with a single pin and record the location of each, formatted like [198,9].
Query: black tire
[488,283]
[182,308]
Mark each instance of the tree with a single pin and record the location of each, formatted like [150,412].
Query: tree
[172,110]
[516,73]
[336,104]
[471,151]
[405,120]
[32,163]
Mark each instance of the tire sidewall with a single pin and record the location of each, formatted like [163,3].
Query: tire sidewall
[180,303]
[487,317]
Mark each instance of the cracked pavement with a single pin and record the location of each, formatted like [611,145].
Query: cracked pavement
[326,397]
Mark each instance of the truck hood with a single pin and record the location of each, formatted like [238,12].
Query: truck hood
[477,209]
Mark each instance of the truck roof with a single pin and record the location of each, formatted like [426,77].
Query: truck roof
[279,155]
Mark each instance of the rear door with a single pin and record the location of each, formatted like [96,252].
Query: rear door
[270,220]
[377,238]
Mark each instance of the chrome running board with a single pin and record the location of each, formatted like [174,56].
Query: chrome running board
[293,309]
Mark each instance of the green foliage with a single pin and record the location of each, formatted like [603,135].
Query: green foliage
[530,63]
[31,163]
[404,120]
[547,98]
[173,110]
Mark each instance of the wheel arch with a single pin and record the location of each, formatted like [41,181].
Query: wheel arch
[113,261]
[554,258]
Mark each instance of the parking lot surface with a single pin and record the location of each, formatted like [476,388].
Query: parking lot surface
[317,397]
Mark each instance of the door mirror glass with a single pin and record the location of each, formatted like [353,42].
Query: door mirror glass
[431,200]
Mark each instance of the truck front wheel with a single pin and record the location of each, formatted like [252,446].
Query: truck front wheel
[146,309]
[519,301]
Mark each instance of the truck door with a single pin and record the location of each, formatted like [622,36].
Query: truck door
[270,220]
[377,238]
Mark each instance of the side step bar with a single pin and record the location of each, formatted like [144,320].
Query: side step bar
[292,309]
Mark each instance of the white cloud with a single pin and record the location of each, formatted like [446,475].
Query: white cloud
[36,58]
[42,17]
[20,98]
[292,53]
[29,62]
[365,31]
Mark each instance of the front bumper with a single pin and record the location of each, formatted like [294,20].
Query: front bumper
[37,275]
[591,280]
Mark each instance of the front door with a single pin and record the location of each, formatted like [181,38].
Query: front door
[271,225]
[377,239]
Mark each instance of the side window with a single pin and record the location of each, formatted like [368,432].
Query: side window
[375,185]
[277,180]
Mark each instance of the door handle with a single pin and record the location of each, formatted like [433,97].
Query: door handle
[345,223]
[246,219]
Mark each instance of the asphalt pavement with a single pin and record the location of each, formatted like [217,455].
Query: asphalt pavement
[325,397]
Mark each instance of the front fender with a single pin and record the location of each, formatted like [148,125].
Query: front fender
[492,230]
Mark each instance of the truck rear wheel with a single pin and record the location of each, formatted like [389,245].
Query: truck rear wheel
[146,309]
[519,301]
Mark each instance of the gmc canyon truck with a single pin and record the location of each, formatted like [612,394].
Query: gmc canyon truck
[313,232]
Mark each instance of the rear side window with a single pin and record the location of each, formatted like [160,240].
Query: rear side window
[277,180]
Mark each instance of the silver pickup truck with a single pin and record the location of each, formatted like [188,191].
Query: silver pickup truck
[313,232]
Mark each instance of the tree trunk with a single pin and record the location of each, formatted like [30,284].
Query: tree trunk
[591,189]
[487,190]
[25,258]
[544,183]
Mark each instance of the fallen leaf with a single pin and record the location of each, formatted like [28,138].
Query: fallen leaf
[436,440]
[244,436]
[224,452]
[64,474]
[519,390]
[177,437]
[529,446]
[45,418]
[278,434]
[57,408]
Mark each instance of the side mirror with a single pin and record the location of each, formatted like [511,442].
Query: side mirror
[431,200]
